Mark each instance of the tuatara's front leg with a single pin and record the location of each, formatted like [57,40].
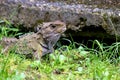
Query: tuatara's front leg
[52,41]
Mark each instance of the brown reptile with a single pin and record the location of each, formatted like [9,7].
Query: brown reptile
[36,44]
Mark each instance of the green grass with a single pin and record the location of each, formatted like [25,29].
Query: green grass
[66,63]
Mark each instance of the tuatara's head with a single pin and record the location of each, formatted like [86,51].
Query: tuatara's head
[52,28]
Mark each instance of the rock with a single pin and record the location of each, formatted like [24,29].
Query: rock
[91,19]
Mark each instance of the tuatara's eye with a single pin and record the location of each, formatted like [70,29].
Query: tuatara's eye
[36,29]
[53,26]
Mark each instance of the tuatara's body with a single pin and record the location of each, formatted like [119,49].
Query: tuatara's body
[36,44]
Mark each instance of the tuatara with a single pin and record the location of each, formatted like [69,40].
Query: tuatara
[36,44]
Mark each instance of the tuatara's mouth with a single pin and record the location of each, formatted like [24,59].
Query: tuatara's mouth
[63,30]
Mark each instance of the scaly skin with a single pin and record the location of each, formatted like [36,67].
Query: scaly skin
[36,44]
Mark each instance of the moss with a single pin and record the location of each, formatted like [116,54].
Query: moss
[115,20]
[40,21]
